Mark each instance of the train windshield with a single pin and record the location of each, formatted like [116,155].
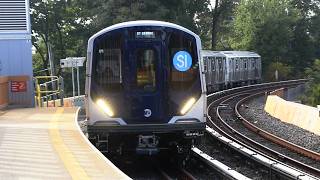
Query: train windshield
[136,65]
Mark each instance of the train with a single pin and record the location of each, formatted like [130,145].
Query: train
[145,90]
[228,69]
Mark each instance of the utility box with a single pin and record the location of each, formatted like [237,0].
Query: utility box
[16,85]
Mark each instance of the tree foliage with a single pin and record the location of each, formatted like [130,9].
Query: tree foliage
[284,32]
[313,92]
[283,71]
[265,26]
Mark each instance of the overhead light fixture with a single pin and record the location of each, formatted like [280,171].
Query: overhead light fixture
[105,107]
[187,106]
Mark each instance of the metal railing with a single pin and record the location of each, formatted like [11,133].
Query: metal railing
[43,92]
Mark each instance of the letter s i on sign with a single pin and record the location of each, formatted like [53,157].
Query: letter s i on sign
[182,61]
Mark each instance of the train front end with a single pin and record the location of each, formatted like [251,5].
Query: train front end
[144,88]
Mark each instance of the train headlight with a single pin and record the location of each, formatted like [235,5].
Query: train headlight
[105,107]
[186,107]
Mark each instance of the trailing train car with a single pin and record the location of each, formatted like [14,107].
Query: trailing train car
[144,88]
[226,69]
[214,68]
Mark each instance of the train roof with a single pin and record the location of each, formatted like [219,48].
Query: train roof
[211,53]
[230,53]
[240,54]
[143,23]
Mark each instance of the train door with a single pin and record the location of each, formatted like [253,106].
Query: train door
[220,69]
[251,68]
[237,70]
[213,70]
[206,69]
[224,78]
[256,68]
[228,69]
[232,70]
[145,95]
[245,69]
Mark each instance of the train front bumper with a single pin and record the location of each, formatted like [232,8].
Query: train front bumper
[146,128]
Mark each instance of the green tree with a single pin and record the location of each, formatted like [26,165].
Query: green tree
[182,12]
[303,49]
[313,91]
[283,71]
[58,24]
[220,13]
[265,26]
[314,31]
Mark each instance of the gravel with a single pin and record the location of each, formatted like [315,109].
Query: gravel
[229,117]
[233,159]
[253,110]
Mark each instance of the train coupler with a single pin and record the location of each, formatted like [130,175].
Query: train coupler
[147,145]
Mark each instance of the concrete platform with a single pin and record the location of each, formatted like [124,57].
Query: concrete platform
[47,143]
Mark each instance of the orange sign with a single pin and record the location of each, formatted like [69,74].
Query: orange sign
[18,86]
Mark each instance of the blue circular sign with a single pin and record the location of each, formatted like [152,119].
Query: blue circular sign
[182,61]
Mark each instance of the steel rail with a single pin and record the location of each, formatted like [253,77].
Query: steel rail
[238,91]
[217,165]
[179,173]
[264,148]
[271,137]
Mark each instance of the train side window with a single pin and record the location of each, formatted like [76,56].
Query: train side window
[205,65]
[232,63]
[220,63]
[237,63]
[213,64]
[245,63]
[253,63]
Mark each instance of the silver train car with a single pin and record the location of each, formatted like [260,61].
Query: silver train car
[145,92]
[227,69]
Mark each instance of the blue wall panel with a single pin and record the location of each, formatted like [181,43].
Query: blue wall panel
[16,60]
[16,57]
[15,48]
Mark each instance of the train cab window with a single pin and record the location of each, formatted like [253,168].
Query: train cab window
[146,69]
[180,42]
[106,66]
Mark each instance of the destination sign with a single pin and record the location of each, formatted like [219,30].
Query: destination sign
[145,34]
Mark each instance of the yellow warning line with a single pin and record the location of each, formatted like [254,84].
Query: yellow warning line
[69,160]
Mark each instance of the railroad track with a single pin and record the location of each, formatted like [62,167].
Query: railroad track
[225,171]
[176,173]
[271,137]
[224,118]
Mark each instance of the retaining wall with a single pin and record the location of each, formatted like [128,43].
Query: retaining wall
[306,117]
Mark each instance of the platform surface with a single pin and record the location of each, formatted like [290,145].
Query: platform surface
[47,144]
